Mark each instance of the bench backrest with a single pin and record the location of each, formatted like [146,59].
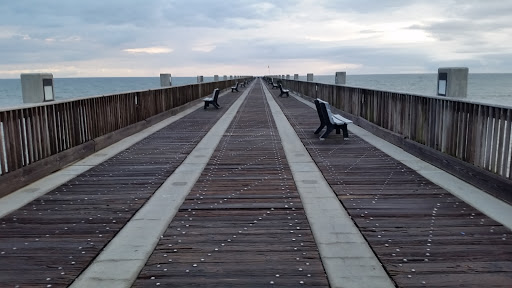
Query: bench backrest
[281,87]
[326,111]
[319,111]
[215,94]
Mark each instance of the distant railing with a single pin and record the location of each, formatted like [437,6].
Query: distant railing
[32,133]
[475,133]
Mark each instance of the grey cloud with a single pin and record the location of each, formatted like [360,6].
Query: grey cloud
[197,13]
[365,6]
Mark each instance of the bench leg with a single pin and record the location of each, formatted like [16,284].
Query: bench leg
[320,128]
[216,105]
[328,130]
[345,130]
[205,104]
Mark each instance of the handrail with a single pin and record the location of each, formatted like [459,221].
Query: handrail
[34,132]
[476,133]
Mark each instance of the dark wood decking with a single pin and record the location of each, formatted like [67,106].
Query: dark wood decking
[243,224]
[423,235]
[51,240]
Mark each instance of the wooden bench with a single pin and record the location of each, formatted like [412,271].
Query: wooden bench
[274,85]
[283,91]
[212,100]
[235,88]
[243,83]
[329,120]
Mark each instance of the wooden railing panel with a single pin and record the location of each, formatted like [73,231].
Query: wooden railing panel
[475,133]
[33,133]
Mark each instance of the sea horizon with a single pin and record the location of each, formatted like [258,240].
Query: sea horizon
[486,88]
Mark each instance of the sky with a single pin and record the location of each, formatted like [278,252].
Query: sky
[143,38]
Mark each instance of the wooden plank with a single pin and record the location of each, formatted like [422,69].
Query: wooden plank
[500,145]
[3,142]
[495,140]
[488,136]
[51,117]
[472,126]
[508,145]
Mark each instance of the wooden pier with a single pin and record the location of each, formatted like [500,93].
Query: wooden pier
[243,224]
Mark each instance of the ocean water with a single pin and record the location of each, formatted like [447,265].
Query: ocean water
[485,88]
[491,88]
[66,88]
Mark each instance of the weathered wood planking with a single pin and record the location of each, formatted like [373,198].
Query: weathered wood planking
[51,240]
[473,140]
[423,235]
[243,224]
[56,127]
[475,133]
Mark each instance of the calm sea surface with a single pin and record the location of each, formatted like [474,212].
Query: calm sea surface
[485,88]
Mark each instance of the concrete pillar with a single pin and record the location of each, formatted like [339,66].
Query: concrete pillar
[310,77]
[452,82]
[215,78]
[199,79]
[225,77]
[37,87]
[287,76]
[340,78]
[165,80]
[230,77]
[295,76]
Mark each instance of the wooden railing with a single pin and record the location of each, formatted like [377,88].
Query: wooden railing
[32,133]
[475,133]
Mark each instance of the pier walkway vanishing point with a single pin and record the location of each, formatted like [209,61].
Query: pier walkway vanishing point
[248,196]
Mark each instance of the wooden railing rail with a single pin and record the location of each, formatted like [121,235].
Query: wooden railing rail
[31,133]
[475,133]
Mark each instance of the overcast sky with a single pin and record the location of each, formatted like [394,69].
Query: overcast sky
[119,38]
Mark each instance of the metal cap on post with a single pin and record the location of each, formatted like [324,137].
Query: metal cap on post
[310,77]
[37,87]
[452,82]
[340,78]
[165,80]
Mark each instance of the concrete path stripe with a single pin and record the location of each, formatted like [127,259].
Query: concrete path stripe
[27,194]
[494,208]
[119,264]
[346,256]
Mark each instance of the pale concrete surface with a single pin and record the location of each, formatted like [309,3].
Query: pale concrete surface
[349,263]
[120,262]
[494,208]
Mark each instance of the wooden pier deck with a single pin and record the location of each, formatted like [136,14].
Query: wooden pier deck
[243,223]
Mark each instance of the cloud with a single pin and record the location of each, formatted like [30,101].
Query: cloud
[367,36]
[149,50]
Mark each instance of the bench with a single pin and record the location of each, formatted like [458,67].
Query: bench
[274,85]
[212,100]
[243,83]
[283,91]
[235,88]
[329,120]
